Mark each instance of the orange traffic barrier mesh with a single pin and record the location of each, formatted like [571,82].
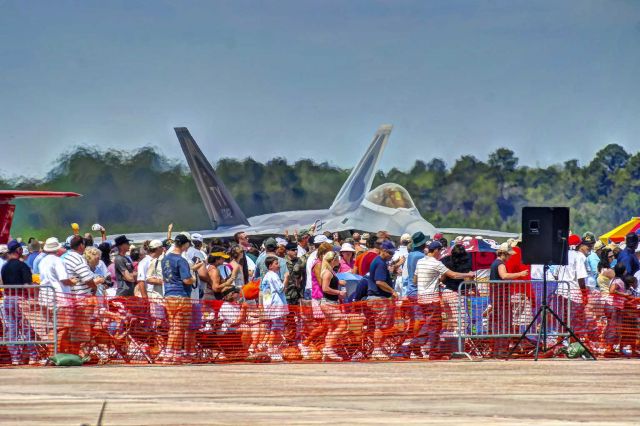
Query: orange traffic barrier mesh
[483,323]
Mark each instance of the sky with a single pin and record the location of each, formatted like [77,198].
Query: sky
[550,80]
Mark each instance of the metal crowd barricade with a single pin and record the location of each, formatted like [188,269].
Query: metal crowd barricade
[29,316]
[504,309]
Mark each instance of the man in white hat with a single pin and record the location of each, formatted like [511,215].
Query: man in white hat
[195,251]
[146,284]
[53,272]
[56,282]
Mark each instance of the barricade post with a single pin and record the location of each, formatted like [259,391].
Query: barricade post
[29,317]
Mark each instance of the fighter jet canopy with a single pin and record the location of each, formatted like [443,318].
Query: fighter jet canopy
[390,195]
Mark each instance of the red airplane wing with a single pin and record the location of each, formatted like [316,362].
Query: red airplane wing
[7,210]
[8,195]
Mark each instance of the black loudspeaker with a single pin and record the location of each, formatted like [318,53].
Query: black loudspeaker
[545,231]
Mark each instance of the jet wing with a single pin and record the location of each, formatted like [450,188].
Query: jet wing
[482,232]
[8,195]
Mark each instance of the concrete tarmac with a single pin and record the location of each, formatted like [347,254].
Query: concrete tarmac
[448,393]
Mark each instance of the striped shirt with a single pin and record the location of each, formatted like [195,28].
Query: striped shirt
[77,268]
[428,272]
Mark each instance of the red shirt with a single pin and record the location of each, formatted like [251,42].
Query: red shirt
[514,264]
[364,262]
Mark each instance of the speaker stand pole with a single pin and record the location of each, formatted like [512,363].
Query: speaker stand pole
[542,313]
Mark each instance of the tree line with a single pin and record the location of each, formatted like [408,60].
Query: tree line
[142,190]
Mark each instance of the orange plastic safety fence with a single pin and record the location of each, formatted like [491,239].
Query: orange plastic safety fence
[483,323]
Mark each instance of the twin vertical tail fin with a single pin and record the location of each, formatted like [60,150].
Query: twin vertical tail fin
[218,202]
[358,184]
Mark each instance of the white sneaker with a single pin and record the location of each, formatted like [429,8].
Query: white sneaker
[379,355]
[328,354]
[275,356]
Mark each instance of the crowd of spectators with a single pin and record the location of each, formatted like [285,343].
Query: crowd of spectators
[290,294]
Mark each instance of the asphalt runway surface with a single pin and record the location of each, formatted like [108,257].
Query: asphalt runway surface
[449,392]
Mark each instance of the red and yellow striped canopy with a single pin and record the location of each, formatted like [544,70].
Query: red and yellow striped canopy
[617,235]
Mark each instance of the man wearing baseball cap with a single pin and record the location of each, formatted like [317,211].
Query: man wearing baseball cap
[178,279]
[379,296]
[270,246]
[125,278]
[147,280]
[195,251]
[15,273]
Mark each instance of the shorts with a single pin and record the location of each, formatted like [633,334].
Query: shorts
[196,316]
[383,311]
[178,311]
[125,289]
[276,324]
[317,311]
[307,294]
[83,309]
[332,310]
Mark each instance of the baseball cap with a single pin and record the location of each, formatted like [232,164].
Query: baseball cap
[181,239]
[574,240]
[154,244]
[434,245]
[304,233]
[405,238]
[196,237]
[438,236]
[122,239]
[281,241]
[388,246]
[13,246]
[291,246]
[3,248]
[270,243]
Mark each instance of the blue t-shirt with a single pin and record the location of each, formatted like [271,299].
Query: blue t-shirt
[630,261]
[31,258]
[410,288]
[378,271]
[175,269]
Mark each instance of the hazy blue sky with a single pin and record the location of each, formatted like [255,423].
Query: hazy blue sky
[551,80]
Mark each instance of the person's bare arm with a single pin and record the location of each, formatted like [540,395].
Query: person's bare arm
[142,288]
[458,275]
[382,285]
[216,285]
[504,275]
[128,276]
[169,229]
[582,283]
[326,284]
